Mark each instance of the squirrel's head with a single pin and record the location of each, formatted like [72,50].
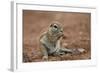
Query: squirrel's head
[56,28]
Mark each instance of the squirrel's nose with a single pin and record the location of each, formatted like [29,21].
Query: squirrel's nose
[61,30]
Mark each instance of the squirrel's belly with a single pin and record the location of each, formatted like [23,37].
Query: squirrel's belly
[51,47]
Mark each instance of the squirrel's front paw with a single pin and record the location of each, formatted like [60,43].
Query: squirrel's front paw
[45,58]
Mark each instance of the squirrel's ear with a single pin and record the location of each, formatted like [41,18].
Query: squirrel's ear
[51,25]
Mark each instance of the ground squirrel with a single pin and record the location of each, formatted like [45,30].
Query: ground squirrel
[50,41]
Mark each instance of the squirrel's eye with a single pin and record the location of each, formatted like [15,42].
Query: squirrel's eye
[55,26]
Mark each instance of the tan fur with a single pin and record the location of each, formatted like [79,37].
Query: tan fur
[50,41]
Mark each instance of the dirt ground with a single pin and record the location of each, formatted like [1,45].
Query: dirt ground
[76,30]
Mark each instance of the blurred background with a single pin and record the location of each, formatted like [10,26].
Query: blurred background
[77,31]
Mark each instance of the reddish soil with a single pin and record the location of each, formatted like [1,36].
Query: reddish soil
[76,30]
